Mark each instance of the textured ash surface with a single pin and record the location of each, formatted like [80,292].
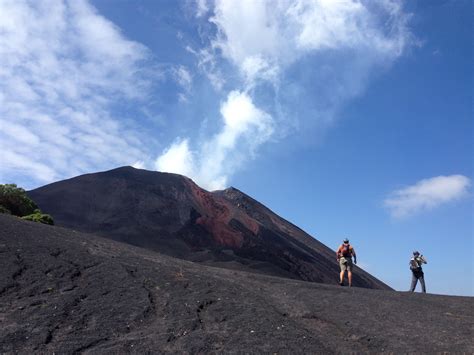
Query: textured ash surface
[67,292]
[170,214]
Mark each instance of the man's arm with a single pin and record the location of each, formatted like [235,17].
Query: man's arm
[354,255]
[338,253]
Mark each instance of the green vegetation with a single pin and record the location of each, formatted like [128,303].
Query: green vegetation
[4,210]
[39,217]
[15,201]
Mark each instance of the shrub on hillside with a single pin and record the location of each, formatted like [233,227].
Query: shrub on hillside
[4,210]
[15,200]
[39,217]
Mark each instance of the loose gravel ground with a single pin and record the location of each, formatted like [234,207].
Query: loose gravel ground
[67,292]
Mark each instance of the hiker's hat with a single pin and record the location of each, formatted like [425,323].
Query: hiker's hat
[346,240]
[416,252]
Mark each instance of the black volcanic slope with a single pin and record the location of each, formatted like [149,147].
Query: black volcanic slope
[66,292]
[169,213]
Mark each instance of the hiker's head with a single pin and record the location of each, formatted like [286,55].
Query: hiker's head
[416,253]
[346,241]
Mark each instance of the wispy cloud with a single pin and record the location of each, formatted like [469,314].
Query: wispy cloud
[291,48]
[426,195]
[64,68]
[184,79]
[67,72]
[244,128]
[277,34]
[177,159]
[201,7]
[208,64]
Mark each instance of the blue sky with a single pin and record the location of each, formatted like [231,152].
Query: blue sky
[347,118]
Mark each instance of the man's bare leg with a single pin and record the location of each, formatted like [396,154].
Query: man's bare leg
[349,275]
[341,277]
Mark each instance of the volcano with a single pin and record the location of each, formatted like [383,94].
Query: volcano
[170,214]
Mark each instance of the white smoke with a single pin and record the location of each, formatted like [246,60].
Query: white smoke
[262,40]
[244,128]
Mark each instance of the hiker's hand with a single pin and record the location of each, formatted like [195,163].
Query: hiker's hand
[355,261]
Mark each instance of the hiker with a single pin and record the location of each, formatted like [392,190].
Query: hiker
[417,271]
[344,256]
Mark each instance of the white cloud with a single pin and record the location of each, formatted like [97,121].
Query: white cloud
[335,46]
[201,8]
[26,165]
[251,47]
[347,24]
[427,194]
[183,77]
[255,67]
[63,69]
[139,164]
[177,159]
[66,70]
[207,63]
[244,128]
[276,34]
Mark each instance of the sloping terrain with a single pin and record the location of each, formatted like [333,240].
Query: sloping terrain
[169,213]
[67,292]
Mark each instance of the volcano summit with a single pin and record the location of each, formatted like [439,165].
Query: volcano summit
[170,214]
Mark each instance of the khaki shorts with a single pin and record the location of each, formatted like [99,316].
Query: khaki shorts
[345,264]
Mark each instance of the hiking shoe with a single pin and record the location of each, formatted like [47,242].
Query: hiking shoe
[341,283]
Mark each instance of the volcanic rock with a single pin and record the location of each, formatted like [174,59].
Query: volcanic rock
[170,214]
[62,291]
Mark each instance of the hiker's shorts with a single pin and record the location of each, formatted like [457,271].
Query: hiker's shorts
[345,264]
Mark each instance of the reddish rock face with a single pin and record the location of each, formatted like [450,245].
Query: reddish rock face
[216,215]
[215,218]
[170,214]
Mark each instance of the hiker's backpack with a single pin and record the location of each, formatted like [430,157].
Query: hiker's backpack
[346,250]
[414,266]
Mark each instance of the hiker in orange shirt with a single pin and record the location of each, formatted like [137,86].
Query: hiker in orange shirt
[344,256]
